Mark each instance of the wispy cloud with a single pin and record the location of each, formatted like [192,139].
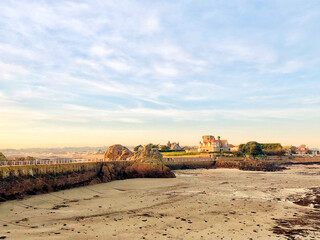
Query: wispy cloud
[9,71]
[139,63]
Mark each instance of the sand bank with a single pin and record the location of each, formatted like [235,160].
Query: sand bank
[198,204]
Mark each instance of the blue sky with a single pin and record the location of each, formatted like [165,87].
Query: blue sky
[75,73]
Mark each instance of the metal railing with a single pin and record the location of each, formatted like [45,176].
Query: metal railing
[47,162]
[80,160]
[189,159]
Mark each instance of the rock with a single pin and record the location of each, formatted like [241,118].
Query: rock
[149,170]
[148,164]
[147,155]
[117,152]
[138,148]
[2,157]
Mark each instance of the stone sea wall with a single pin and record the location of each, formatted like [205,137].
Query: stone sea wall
[19,181]
[190,165]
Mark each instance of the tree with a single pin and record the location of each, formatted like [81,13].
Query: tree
[153,145]
[29,158]
[274,152]
[241,148]
[190,148]
[164,148]
[252,148]
[309,152]
[271,146]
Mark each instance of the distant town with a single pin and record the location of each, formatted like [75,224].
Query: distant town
[211,144]
[208,144]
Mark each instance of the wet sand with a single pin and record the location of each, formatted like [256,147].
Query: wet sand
[198,204]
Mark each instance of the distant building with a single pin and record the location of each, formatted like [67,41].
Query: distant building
[210,144]
[290,149]
[234,148]
[314,151]
[174,146]
[303,149]
[190,149]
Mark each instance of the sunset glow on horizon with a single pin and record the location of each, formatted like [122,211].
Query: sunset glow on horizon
[96,73]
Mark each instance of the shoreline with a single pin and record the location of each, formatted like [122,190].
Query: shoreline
[197,204]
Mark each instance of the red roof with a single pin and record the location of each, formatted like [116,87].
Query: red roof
[303,149]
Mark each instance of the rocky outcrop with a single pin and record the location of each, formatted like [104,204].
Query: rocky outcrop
[147,163]
[2,157]
[147,154]
[117,152]
[19,181]
[149,170]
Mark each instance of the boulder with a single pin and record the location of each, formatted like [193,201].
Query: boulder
[147,154]
[148,164]
[117,152]
[148,170]
[2,157]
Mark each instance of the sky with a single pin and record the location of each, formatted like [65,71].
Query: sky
[93,73]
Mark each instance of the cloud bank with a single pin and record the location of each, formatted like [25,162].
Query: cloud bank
[144,66]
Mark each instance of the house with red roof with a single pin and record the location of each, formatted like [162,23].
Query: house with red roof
[303,149]
[211,144]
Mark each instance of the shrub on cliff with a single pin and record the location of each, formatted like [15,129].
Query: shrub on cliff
[153,145]
[271,152]
[252,148]
[2,157]
[28,158]
[271,146]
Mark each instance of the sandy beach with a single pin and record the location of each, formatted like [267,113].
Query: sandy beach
[198,204]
